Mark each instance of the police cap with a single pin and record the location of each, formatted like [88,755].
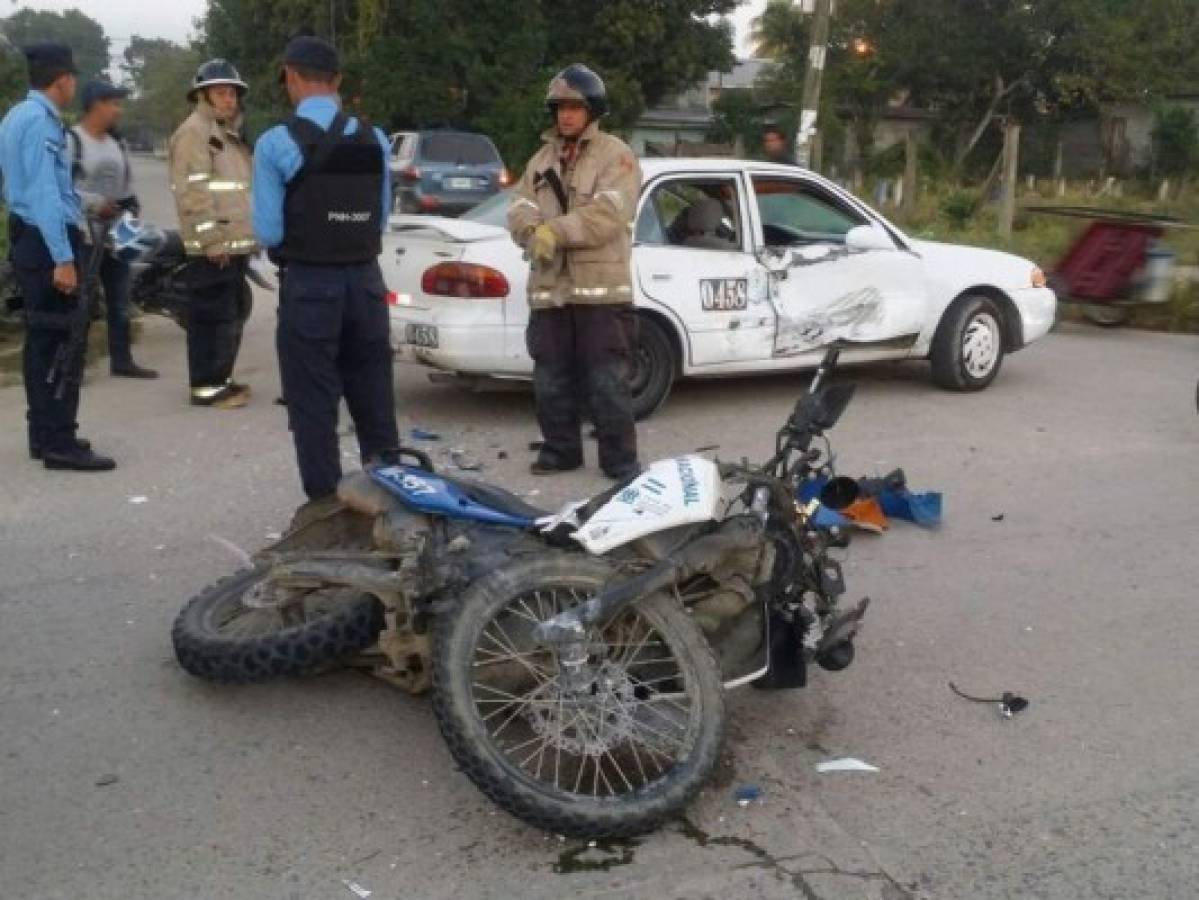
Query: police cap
[49,59]
[311,52]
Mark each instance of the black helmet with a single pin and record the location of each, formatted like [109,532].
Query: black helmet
[578,82]
[216,71]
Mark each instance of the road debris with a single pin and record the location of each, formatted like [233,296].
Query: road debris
[138,499]
[845,764]
[424,434]
[998,518]
[503,454]
[106,780]
[747,794]
[1009,703]
[464,461]
[357,889]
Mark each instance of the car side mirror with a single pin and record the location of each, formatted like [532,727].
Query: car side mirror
[868,237]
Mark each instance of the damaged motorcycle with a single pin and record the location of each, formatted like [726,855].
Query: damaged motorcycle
[577,661]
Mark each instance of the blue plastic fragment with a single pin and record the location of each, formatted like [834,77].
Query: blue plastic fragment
[923,509]
[747,793]
[421,434]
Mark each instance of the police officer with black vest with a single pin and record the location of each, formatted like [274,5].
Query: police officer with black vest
[321,196]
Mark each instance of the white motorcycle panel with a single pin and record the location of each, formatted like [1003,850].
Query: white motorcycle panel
[670,493]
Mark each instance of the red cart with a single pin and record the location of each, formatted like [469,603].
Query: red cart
[1118,262]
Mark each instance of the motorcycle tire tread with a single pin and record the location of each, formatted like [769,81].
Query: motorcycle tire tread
[557,817]
[297,650]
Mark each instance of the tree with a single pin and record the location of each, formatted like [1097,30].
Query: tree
[14,75]
[84,35]
[1175,141]
[482,64]
[160,72]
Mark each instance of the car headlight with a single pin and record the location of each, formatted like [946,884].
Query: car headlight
[1038,277]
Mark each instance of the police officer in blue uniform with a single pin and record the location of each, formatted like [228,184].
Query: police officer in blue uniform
[321,195]
[45,248]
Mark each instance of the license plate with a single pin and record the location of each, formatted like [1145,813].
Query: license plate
[460,184]
[421,336]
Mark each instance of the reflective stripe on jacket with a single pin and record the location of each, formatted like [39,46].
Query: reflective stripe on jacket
[594,233]
[210,177]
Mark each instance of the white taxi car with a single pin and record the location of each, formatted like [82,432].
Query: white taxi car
[738,268]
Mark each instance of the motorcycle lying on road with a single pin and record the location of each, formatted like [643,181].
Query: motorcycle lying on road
[577,660]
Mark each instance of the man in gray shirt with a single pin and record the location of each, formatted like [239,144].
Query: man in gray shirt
[100,168]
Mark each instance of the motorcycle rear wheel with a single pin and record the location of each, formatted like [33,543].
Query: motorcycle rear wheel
[611,760]
[220,637]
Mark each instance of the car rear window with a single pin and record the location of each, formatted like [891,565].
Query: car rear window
[492,211]
[472,149]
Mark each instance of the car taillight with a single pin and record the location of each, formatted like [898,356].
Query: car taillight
[450,279]
[410,174]
[505,177]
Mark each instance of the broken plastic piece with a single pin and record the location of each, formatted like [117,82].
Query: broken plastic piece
[747,794]
[422,434]
[845,764]
[139,499]
[106,780]
[357,889]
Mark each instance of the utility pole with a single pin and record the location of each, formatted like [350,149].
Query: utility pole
[822,12]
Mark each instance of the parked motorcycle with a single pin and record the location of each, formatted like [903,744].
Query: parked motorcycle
[578,661]
[159,277]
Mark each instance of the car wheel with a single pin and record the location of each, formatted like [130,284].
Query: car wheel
[654,367]
[967,350]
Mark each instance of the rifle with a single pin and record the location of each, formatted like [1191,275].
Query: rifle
[67,366]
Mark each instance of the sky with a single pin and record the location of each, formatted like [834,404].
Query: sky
[173,18]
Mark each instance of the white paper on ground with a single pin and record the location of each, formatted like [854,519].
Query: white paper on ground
[845,764]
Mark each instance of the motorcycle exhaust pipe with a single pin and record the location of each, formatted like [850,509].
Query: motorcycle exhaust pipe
[699,557]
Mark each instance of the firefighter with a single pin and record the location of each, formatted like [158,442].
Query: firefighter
[321,198]
[210,176]
[573,214]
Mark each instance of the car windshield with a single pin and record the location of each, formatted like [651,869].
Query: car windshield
[473,149]
[492,211]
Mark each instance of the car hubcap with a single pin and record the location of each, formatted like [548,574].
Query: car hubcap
[980,345]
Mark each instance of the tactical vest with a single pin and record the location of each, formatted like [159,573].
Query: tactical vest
[332,212]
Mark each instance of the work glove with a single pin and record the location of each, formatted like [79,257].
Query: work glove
[543,245]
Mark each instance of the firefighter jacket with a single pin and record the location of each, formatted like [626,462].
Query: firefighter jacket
[591,216]
[210,177]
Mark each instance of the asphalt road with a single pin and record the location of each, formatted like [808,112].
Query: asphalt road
[1066,571]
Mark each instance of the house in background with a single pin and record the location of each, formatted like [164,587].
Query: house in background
[685,119]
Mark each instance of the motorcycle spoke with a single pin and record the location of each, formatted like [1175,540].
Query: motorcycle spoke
[500,658]
[537,672]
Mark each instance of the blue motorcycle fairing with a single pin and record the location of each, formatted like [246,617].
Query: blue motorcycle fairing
[429,493]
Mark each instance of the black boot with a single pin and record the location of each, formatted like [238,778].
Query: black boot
[132,370]
[35,446]
[552,464]
[77,460]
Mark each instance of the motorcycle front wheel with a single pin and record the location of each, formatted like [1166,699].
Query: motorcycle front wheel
[610,755]
[237,632]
